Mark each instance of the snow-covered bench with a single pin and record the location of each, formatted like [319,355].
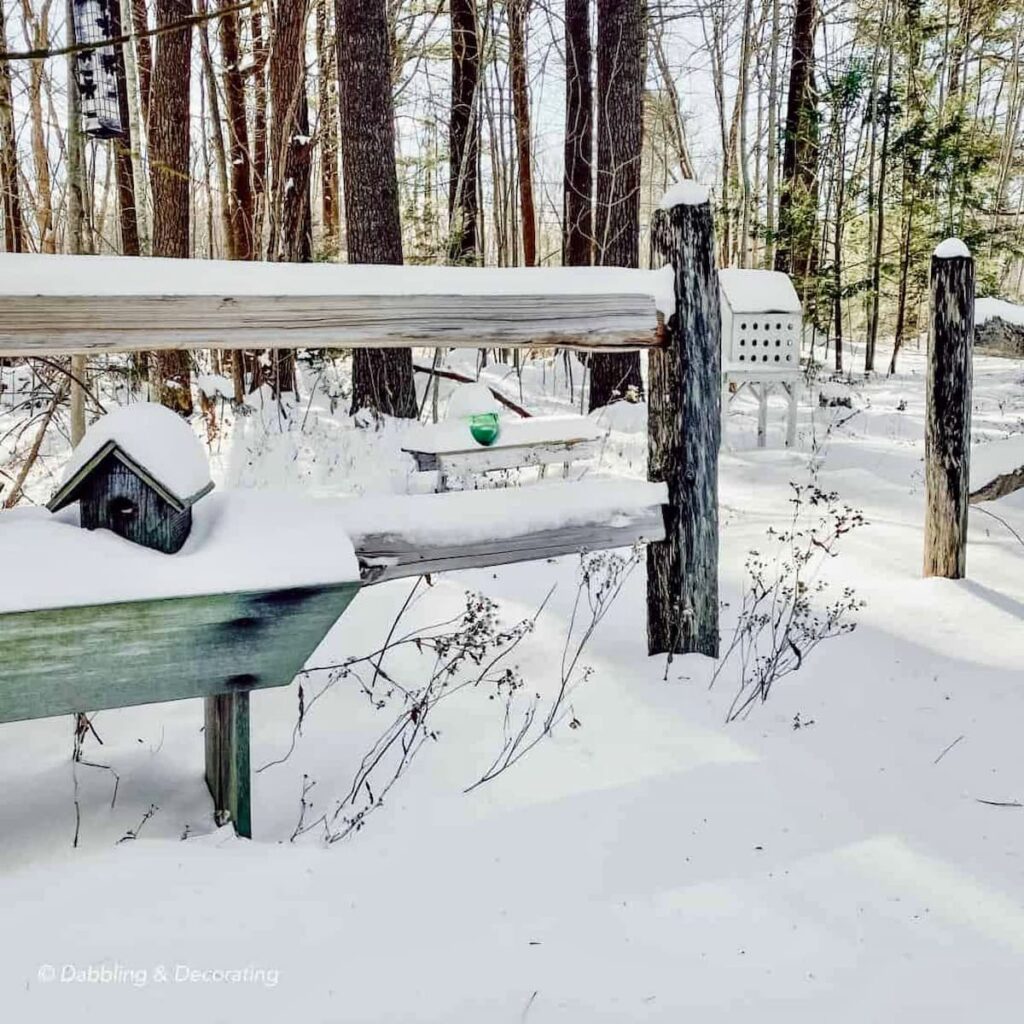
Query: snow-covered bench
[449,449]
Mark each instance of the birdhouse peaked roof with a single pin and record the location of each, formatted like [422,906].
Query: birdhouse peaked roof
[758,291]
[154,443]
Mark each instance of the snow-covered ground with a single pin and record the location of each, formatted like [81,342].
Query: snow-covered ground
[828,858]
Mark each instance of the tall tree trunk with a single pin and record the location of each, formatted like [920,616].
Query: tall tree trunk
[621,70]
[10,189]
[874,298]
[122,148]
[518,22]
[169,173]
[259,124]
[464,135]
[578,184]
[216,133]
[772,160]
[796,253]
[327,91]
[291,229]
[37,29]
[291,218]
[242,206]
[143,58]
[381,378]
[76,167]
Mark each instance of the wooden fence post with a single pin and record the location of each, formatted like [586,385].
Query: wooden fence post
[684,432]
[227,760]
[947,438]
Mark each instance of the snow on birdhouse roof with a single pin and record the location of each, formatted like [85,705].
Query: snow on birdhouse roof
[758,291]
[153,441]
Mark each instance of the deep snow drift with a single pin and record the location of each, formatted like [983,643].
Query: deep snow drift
[829,858]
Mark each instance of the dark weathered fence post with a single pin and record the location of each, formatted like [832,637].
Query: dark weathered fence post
[684,432]
[227,760]
[947,438]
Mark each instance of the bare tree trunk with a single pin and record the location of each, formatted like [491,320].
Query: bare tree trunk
[621,72]
[259,125]
[169,172]
[382,379]
[464,135]
[10,189]
[37,29]
[216,132]
[143,58]
[291,229]
[242,208]
[327,86]
[578,186]
[518,21]
[877,239]
[122,149]
[772,169]
[291,216]
[796,253]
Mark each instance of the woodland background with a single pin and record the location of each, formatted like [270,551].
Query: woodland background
[841,140]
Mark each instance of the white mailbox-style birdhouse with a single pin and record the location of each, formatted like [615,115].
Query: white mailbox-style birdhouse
[761,324]
[138,471]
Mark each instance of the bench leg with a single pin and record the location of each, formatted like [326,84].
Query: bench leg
[227,760]
[762,415]
[791,390]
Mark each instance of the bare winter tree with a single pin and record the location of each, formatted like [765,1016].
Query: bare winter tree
[291,228]
[621,71]
[291,211]
[10,189]
[578,183]
[518,22]
[381,378]
[122,148]
[327,96]
[796,253]
[243,214]
[169,176]
[464,135]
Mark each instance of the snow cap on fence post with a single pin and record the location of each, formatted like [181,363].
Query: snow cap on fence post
[952,248]
[684,430]
[947,439]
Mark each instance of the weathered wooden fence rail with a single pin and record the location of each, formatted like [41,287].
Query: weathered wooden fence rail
[61,304]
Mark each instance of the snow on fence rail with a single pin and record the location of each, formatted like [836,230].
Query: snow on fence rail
[57,304]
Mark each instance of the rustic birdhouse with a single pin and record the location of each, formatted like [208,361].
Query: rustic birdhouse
[138,471]
[96,70]
[761,324]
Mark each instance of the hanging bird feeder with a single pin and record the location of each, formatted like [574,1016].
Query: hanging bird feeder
[96,70]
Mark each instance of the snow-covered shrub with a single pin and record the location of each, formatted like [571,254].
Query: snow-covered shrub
[469,653]
[788,608]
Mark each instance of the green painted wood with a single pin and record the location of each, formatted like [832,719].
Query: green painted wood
[59,661]
[227,760]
